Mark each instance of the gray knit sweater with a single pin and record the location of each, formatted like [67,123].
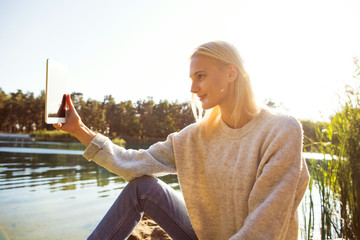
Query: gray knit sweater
[242,183]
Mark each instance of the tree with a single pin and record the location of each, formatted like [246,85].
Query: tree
[160,123]
[128,123]
[93,115]
[144,110]
[21,112]
[110,109]
[3,111]
[182,115]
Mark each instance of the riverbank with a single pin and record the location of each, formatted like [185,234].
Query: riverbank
[60,136]
[14,136]
[56,135]
[40,135]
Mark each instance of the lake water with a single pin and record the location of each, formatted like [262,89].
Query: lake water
[49,191]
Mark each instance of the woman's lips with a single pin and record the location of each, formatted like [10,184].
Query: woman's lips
[202,97]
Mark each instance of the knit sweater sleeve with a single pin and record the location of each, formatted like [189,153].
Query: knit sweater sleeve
[129,164]
[281,177]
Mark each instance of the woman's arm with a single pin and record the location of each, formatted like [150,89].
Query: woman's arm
[157,160]
[280,184]
[129,164]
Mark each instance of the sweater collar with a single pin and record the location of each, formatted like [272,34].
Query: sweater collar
[236,133]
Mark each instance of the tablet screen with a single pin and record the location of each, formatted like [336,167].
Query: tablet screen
[56,88]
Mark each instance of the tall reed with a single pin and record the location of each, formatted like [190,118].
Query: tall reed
[338,179]
[308,213]
[344,136]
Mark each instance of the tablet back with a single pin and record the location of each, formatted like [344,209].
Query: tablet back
[56,87]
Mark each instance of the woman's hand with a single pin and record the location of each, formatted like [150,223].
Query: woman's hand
[73,120]
[74,125]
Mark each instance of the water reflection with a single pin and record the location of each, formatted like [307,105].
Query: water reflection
[49,189]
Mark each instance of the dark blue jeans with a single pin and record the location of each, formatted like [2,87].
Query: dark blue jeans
[151,196]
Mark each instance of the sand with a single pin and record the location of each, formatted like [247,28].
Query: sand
[149,230]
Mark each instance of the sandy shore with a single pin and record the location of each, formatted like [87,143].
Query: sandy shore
[149,230]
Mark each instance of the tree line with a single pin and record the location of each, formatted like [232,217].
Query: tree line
[24,113]
[144,119]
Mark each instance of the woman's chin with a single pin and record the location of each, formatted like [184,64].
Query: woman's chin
[206,105]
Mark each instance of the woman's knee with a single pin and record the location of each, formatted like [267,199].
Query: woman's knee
[143,180]
[141,185]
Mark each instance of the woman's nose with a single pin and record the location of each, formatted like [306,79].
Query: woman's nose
[194,87]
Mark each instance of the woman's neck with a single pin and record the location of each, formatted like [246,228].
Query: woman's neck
[244,118]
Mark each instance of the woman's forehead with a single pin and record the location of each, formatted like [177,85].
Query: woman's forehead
[200,63]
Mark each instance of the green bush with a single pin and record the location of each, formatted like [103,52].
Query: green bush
[55,135]
[119,141]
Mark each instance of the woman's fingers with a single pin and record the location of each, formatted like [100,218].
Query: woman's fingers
[71,113]
[73,120]
[69,103]
[61,111]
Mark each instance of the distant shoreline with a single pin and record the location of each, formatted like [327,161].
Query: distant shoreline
[36,137]
[15,135]
[64,138]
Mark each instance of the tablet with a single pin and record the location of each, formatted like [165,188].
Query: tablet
[56,90]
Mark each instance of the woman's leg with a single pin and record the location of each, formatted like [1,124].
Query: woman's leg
[152,196]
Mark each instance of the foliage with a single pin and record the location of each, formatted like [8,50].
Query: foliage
[311,135]
[119,141]
[324,174]
[344,136]
[338,179]
[52,135]
[24,113]
[21,112]
[308,213]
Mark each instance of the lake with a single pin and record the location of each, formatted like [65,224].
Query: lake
[49,191]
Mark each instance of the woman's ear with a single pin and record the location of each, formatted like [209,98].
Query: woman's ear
[233,73]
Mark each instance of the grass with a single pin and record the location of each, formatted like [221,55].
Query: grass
[55,135]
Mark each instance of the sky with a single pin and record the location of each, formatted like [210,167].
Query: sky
[299,54]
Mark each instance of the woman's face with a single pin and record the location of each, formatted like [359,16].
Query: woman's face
[211,82]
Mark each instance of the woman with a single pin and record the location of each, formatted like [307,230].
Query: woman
[239,167]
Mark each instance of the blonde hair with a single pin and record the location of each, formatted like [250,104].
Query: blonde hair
[245,103]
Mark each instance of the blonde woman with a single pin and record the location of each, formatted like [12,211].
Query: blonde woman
[239,166]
